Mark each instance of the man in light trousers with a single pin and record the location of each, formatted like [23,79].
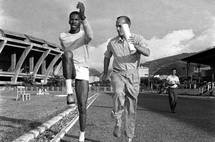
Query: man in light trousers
[124,78]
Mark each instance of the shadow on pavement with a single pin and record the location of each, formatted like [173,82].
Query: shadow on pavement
[102,106]
[76,138]
[199,113]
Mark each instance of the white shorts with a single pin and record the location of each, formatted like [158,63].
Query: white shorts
[82,73]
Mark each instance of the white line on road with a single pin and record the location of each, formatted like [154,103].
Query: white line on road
[72,122]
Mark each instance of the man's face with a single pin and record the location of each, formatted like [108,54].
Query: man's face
[174,72]
[119,24]
[75,22]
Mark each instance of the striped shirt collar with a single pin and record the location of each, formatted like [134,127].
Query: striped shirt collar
[119,39]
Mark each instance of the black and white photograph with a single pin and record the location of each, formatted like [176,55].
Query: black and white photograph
[107,71]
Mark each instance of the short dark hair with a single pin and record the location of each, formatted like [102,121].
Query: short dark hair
[74,13]
[128,21]
[173,69]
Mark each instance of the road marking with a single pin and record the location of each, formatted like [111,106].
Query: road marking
[32,134]
[61,134]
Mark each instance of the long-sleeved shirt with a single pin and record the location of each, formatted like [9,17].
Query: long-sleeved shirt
[123,58]
[78,44]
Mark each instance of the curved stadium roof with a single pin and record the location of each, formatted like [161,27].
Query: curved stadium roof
[21,55]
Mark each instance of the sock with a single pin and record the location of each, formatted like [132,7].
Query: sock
[81,136]
[69,88]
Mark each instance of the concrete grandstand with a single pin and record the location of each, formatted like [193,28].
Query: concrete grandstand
[22,55]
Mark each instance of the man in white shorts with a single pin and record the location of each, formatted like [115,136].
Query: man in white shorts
[75,62]
[173,82]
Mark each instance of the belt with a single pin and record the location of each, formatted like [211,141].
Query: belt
[125,72]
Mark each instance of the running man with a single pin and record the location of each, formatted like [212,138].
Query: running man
[124,78]
[172,82]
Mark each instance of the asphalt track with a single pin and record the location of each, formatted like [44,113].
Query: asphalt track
[194,121]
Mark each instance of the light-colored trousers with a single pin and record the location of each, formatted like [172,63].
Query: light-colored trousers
[126,89]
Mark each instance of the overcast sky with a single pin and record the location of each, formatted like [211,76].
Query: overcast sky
[170,26]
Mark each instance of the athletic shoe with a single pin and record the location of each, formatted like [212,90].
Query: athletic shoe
[70,100]
[81,137]
[129,139]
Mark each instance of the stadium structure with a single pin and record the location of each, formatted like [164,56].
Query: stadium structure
[23,55]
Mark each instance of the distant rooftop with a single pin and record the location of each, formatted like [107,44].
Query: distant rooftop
[206,57]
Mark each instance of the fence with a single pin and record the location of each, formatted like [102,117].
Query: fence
[105,89]
[48,88]
[109,89]
[207,88]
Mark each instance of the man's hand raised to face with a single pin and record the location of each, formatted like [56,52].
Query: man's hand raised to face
[81,8]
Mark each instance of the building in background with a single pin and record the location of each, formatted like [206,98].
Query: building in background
[143,71]
[24,55]
[164,65]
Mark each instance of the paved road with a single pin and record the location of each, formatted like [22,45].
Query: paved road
[194,121]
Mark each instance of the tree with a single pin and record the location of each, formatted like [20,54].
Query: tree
[55,80]
[94,72]
[29,80]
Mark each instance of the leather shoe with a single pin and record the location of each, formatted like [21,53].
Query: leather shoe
[117,128]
